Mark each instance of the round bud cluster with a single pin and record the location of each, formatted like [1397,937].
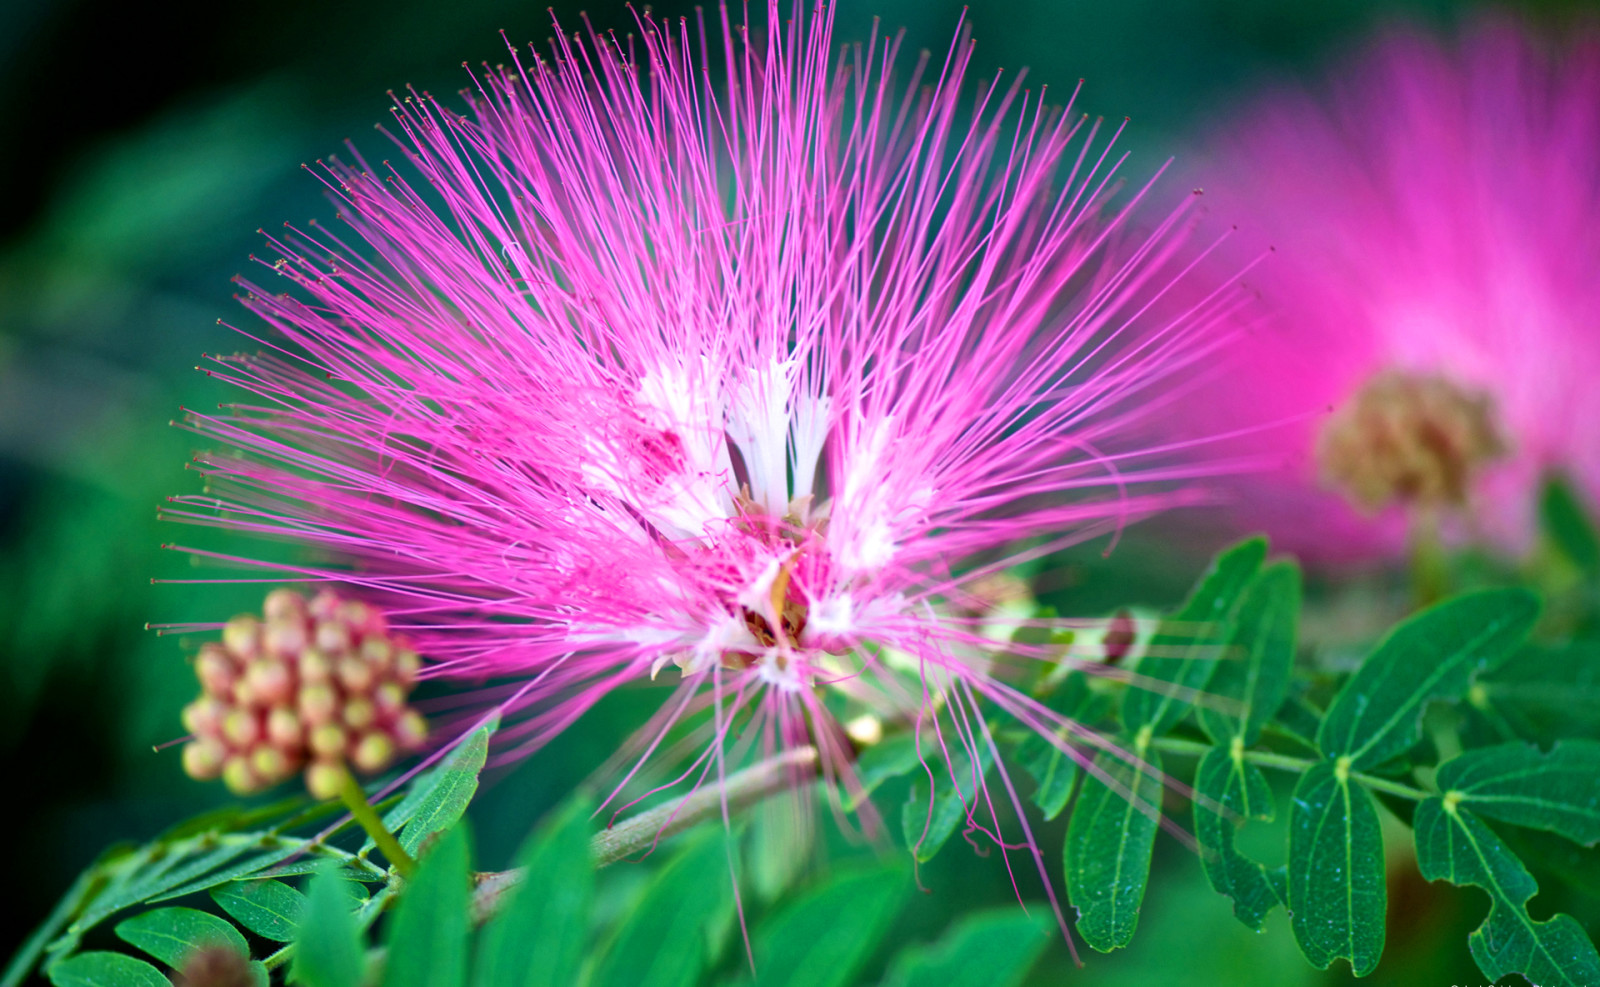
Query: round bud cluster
[310,686]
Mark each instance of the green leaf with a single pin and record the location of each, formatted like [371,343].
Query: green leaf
[22,963]
[1569,526]
[106,970]
[1517,783]
[1336,890]
[1257,675]
[1054,773]
[170,934]
[439,797]
[1226,783]
[428,933]
[153,870]
[1109,839]
[1198,629]
[822,939]
[927,828]
[782,835]
[1542,694]
[1454,845]
[1433,655]
[892,757]
[328,951]
[270,909]
[982,949]
[661,942]
[536,938]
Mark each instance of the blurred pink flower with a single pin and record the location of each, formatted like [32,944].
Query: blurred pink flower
[1436,286]
[744,374]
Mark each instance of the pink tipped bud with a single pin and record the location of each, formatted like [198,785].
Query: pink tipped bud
[241,728]
[315,666]
[216,670]
[328,741]
[324,606]
[325,779]
[360,713]
[410,730]
[332,637]
[240,636]
[358,616]
[356,675]
[318,704]
[377,651]
[406,666]
[270,765]
[389,698]
[372,752]
[204,717]
[284,605]
[285,638]
[270,681]
[283,728]
[239,776]
[203,758]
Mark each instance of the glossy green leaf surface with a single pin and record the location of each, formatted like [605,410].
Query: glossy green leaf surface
[170,934]
[1110,836]
[439,796]
[537,936]
[984,949]
[427,934]
[661,942]
[1228,792]
[1336,886]
[1569,526]
[1255,675]
[328,950]
[1556,790]
[97,969]
[1454,845]
[270,909]
[1199,631]
[821,939]
[1542,693]
[1434,655]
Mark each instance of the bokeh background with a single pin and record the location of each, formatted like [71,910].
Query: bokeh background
[143,145]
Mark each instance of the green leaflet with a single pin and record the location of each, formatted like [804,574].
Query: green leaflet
[1336,891]
[892,757]
[439,796]
[1433,655]
[1200,628]
[270,909]
[1542,694]
[1109,839]
[1225,782]
[170,934]
[1454,845]
[927,829]
[1257,675]
[1517,783]
[822,939]
[537,937]
[106,970]
[1568,525]
[427,935]
[328,950]
[1053,771]
[660,941]
[982,949]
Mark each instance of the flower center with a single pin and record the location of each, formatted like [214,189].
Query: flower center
[1413,439]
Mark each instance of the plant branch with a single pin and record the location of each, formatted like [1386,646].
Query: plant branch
[1284,762]
[355,800]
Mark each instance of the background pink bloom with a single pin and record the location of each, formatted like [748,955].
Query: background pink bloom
[1434,215]
[743,372]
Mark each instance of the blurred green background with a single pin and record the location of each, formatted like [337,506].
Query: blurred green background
[143,146]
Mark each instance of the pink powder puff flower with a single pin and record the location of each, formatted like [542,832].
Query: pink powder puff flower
[1438,306]
[745,376]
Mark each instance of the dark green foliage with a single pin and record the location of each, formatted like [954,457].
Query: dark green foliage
[957,793]
[327,947]
[984,949]
[1229,788]
[1336,887]
[821,939]
[170,934]
[537,937]
[1109,839]
[1568,526]
[106,970]
[428,932]
[270,909]
[662,939]
[1517,783]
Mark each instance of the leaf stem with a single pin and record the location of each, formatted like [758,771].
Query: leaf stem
[1284,762]
[355,800]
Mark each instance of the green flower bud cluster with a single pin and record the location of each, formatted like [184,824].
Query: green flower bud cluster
[313,686]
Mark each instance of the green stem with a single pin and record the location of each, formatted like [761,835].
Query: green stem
[356,801]
[1283,762]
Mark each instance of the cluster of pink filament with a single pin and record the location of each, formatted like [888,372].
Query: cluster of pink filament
[633,351]
[1434,215]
